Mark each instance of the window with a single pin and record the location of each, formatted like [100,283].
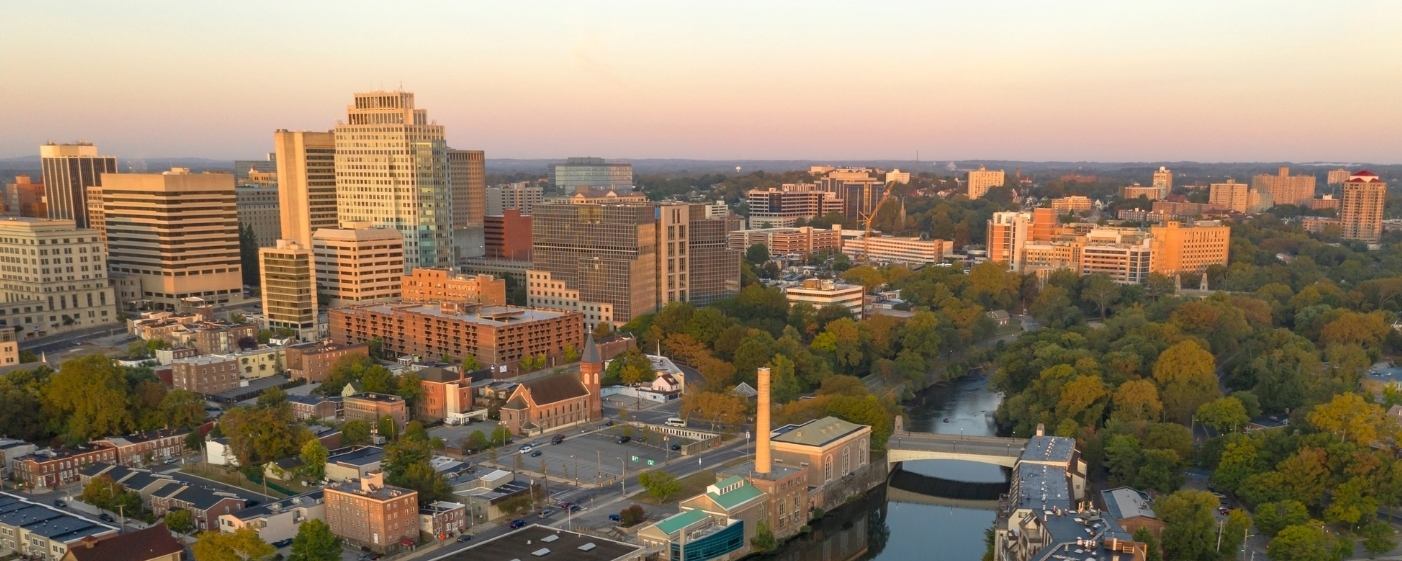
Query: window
[827,469]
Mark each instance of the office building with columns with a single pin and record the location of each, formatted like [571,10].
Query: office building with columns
[306,170]
[69,169]
[358,264]
[53,278]
[289,288]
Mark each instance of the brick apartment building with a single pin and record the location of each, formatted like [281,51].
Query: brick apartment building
[369,407]
[204,504]
[313,406]
[312,361]
[221,337]
[371,514]
[205,375]
[147,448]
[47,469]
[441,285]
[496,335]
[508,236]
[445,392]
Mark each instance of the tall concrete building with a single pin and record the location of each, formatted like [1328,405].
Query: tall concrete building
[262,172]
[522,196]
[1163,179]
[590,172]
[392,171]
[69,169]
[713,267]
[1239,197]
[859,189]
[25,198]
[358,264]
[61,287]
[1338,176]
[608,253]
[781,208]
[1008,233]
[1361,212]
[306,168]
[289,288]
[177,232]
[258,208]
[981,180]
[1285,189]
[467,179]
[1191,249]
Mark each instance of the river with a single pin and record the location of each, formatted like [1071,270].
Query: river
[878,528]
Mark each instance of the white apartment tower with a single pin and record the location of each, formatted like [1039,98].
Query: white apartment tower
[392,171]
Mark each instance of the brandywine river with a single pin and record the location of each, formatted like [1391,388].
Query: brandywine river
[882,528]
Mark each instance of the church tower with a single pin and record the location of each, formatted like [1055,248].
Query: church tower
[591,369]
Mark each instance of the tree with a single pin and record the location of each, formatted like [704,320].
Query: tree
[757,254]
[1223,414]
[272,397]
[1137,400]
[1146,537]
[194,441]
[632,515]
[659,484]
[1190,529]
[1351,502]
[501,436]
[571,355]
[431,485]
[1102,290]
[1378,537]
[314,456]
[355,432]
[1271,518]
[258,435]
[100,492]
[715,408]
[1234,532]
[179,521]
[764,541]
[90,395]
[1305,476]
[1303,542]
[1160,470]
[1350,418]
[470,364]
[410,389]
[1185,372]
[315,542]
[241,545]
[378,379]
[475,441]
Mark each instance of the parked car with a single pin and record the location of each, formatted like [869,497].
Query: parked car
[60,503]
[547,512]
[282,543]
[105,517]
[464,538]
[676,447]
[536,453]
[615,518]
[518,523]
[608,423]
[525,448]
[171,460]
[1224,510]
[557,439]
[624,439]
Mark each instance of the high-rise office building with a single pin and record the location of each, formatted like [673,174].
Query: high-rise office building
[859,189]
[289,288]
[64,282]
[1285,189]
[981,180]
[696,264]
[781,208]
[69,169]
[258,209]
[177,232]
[358,264]
[392,171]
[262,172]
[467,180]
[523,196]
[508,236]
[25,198]
[1163,179]
[1008,233]
[306,168]
[1338,176]
[608,253]
[590,172]
[1361,212]
[1230,195]
[1191,249]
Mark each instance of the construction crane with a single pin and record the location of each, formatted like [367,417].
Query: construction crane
[866,249]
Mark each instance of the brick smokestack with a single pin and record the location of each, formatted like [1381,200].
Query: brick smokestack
[762,459]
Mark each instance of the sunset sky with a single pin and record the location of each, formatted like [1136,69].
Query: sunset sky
[1095,81]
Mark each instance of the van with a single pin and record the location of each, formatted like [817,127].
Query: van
[676,422]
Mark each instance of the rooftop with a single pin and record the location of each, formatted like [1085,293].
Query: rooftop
[139,545]
[380,397]
[681,520]
[289,503]
[1124,502]
[732,492]
[48,522]
[541,542]
[817,433]
[492,316]
[1049,449]
[359,456]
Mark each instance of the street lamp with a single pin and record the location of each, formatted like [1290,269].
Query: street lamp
[576,469]
[623,479]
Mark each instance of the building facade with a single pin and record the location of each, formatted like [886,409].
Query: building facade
[49,265]
[1361,210]
[1073,203]
[205,375]
[981,180]
[178,232]
[467,183]
[358,264]
[499,336]
[370,407]
[442,285]
[69,169]
[522,196]
[1191,249]
[1285,189]
[508,236]
[312,361]
[306,168]
[608,253]
[859,189]
[781,208]
[788,241]
[371,514]
[823,292]
[590,172]
[900,250]
[392,171]
[1135,191]
[258,209]
[289,288]
[25,198]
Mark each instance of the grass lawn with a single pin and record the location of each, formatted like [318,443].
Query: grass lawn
[692,485]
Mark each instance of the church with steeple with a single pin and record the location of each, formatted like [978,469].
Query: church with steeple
[558,400]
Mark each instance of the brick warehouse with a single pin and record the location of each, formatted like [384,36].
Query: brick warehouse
[496,335]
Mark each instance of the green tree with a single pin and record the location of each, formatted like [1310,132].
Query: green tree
[431,485]
[500,436]
[1223,414]
[659,484]
[258,435]
[1378,537]
[179,521]
[757,254]
[571,355]
[1351,503]
[1102,290]
[415,431]
[470,364]
[272,397]
[1144,536]
[632,515]
[315,542]
[1234,532]
[1190,528]
[1185,372]
[314,456]
[1240,459]
[410,389]
[475,441]
[378,379]
[1137,400]
[243,544]
[1303,542]
[1160,470]
[1271,518]
[764,541]
[182,408]
[355,433]
[90,395]
[1350,418]
[101,492]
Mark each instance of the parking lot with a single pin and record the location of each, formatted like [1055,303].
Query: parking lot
[594,456]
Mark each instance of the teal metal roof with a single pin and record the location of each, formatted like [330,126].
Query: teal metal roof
[677,522]
[733,492]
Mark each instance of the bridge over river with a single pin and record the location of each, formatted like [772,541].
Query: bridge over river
[906,446]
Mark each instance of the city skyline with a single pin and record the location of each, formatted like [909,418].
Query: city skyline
[1009,81]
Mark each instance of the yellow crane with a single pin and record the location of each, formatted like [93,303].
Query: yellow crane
[866,249]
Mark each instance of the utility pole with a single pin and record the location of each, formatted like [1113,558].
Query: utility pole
[623,479]
[1220,525]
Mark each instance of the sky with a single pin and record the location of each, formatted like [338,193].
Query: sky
[1213,81]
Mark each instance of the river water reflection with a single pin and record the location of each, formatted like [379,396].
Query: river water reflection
[878,528]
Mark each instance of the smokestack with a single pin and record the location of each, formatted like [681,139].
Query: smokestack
[762,459]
